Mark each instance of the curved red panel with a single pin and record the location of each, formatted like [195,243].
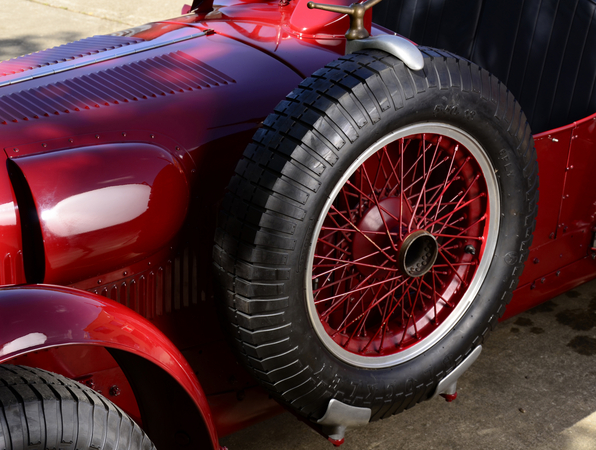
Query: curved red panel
[105,206]
[67,316]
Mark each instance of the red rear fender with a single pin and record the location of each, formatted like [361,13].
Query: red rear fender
[38,317]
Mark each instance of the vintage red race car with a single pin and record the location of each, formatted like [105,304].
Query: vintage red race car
[345,215]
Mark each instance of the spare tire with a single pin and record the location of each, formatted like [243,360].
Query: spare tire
[375,230]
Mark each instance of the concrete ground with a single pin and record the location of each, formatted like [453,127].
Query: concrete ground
[534,386]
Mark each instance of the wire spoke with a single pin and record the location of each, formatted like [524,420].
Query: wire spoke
[423,183]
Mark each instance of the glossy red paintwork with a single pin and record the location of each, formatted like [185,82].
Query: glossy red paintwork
[561,256]
[160,153]
[67,316]
[103,219]
[205,128]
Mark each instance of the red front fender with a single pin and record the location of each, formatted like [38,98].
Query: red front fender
[37,317]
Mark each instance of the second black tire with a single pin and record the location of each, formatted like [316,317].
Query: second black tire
[375,230]
[41,410]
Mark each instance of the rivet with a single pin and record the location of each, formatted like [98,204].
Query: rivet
[114,391]
[97,136]
[124,134]
[44,145]
[71,140]
[177,149]
[98,281]
[536,261]
[125,273]
[543,280]
[558,273]
[16,150]
[152,136]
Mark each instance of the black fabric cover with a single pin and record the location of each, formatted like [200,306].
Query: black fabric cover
[543,50]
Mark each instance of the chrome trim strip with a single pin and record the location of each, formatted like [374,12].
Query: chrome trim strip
[105,56]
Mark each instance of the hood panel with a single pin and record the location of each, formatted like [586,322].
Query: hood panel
[193,91]
[169,73]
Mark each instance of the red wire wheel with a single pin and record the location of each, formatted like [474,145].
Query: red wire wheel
[403,245]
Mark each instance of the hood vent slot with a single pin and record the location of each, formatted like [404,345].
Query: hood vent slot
[66,52]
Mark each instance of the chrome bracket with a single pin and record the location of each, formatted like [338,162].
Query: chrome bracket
[340,416]
[448,385]
[397,46]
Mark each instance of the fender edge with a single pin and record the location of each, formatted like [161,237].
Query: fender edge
[67,316]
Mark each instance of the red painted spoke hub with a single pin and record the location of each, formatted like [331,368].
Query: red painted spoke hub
[400,245]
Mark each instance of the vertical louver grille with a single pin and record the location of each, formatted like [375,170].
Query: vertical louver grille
[170,287]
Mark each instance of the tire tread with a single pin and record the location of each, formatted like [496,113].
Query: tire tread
[50,411]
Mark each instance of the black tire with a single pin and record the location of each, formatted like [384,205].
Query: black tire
[281,196]
[42,410]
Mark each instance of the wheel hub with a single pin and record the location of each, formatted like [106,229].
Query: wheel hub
[418,253]
[413,253]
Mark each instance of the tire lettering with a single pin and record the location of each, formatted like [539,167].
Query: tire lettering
[389,392]
[504,156]
[355,387]
[469,114]
[446,110]
[511,258]
[335,383]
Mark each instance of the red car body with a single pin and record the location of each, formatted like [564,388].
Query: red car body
[115,171]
